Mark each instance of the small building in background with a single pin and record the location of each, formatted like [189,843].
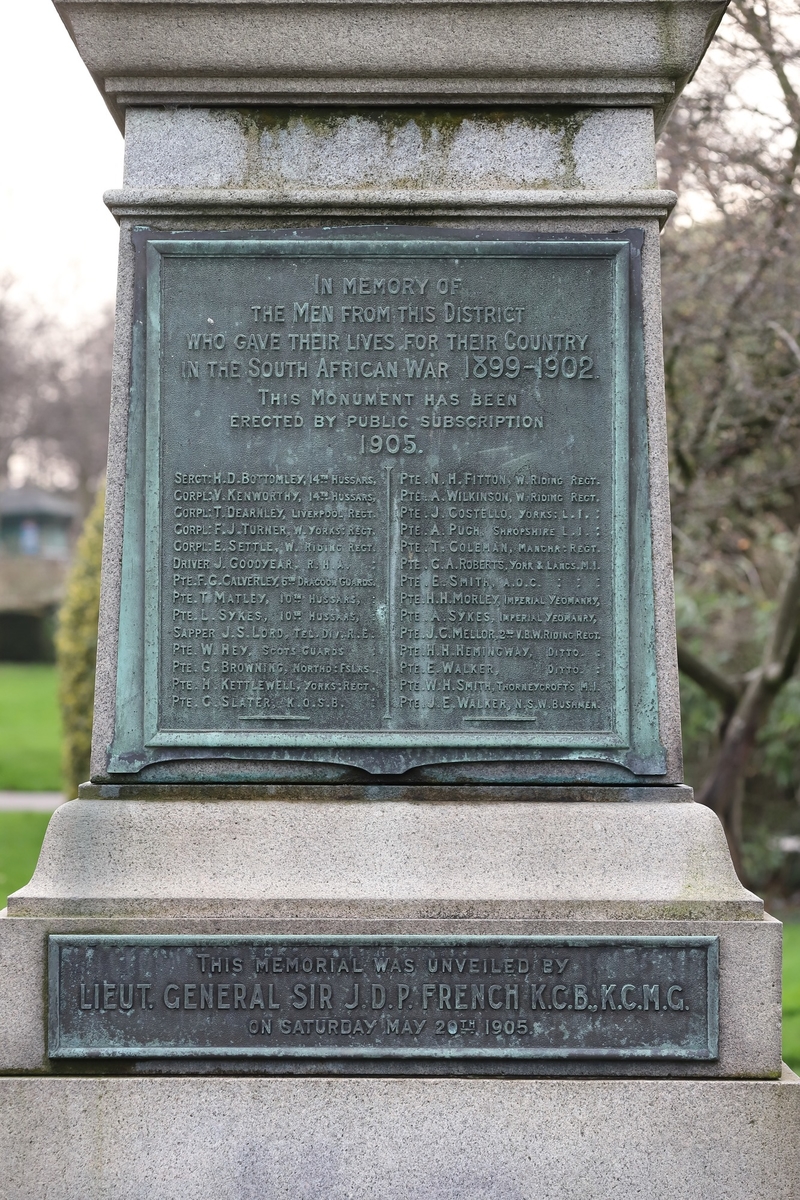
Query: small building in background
[37,534]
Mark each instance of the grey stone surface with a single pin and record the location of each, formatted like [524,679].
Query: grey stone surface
[614,147]
[384,859]
[669,700]
[599,150]
[263,208]
[431,793]
[750,978]
[213,161]
[602,53]
[23,1020]
[348,1139]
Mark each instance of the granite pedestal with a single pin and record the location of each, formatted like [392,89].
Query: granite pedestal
[483,121]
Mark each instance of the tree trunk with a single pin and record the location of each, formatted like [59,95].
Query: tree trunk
[726,780]
[722,787]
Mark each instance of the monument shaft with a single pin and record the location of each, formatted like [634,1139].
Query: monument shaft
[386,770]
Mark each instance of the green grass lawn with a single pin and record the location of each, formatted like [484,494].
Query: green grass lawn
[21,836]
[30,729]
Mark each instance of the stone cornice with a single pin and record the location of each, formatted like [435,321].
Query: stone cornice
[413,52]
[325,202]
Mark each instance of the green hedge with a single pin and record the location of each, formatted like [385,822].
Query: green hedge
[76,649]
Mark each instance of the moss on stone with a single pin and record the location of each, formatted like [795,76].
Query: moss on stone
[437,129]
[565,122]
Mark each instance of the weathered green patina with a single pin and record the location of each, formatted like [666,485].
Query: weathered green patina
[395,506]
[390,997]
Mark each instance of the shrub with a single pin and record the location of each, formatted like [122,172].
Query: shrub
[76,648]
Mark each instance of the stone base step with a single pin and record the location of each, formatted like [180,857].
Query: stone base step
[183,1138]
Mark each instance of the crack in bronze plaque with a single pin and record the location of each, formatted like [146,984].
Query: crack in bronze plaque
[373,997]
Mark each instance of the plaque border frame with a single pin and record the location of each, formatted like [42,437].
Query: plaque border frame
[710,1052]
[157,733]
[633,748]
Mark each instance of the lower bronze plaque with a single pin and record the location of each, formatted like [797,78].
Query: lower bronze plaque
[381,998]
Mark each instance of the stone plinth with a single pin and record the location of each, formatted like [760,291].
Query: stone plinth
[384,859]
[434,865]
[399,1139]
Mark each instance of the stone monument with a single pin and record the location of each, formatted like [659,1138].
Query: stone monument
[386,882]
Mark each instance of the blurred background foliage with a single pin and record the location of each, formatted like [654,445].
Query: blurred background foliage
[55,387]
[731,311]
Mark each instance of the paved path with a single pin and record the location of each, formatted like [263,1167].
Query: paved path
[30,801]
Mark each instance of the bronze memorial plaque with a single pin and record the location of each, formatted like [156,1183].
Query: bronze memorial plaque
[395,997]
[387,503]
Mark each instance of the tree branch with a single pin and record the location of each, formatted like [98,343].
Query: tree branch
[727,692]
[783,649]
[760,29]
[786,338]
[777,667]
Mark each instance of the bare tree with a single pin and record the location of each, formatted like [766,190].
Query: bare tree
[17,371]
[55,389]
[732,362]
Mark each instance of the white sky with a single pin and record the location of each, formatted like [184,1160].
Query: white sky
[59,150]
